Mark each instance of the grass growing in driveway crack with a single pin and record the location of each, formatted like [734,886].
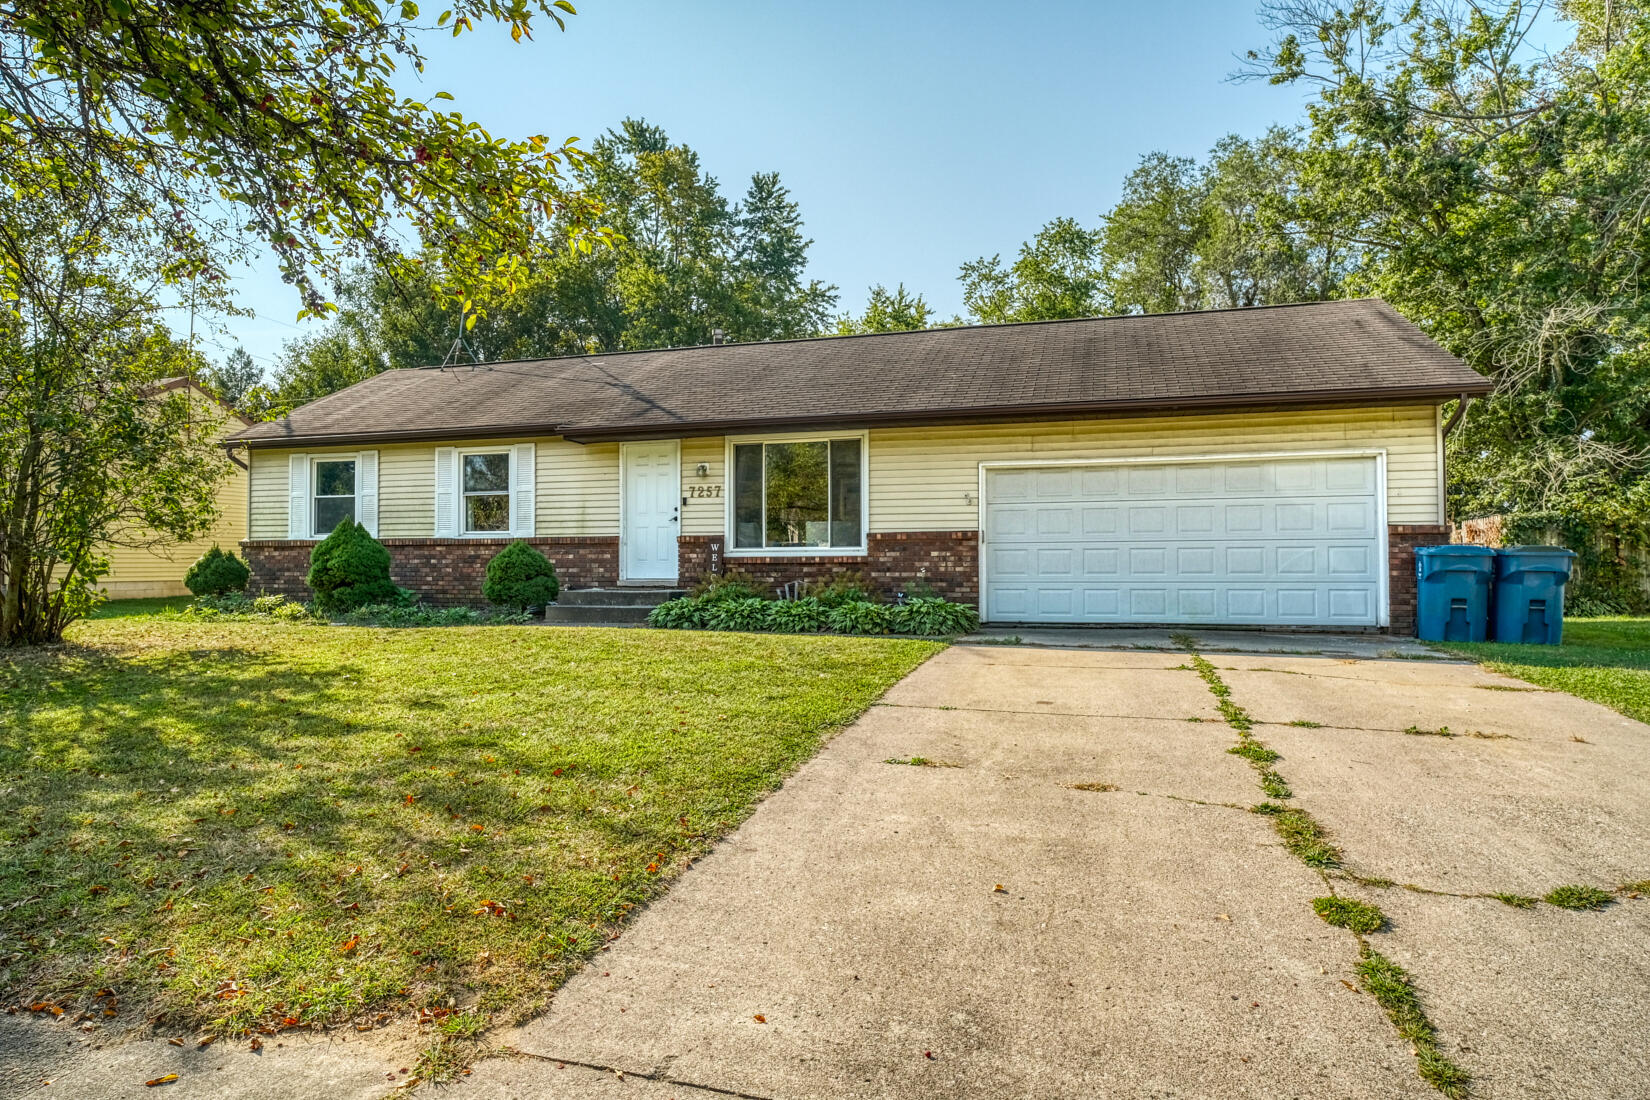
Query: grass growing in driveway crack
[1308,841]
[1347,913]
[1579,897]
[920,762]
[1394,991]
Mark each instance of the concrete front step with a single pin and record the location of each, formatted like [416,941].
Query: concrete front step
[615,597]
[606,606]
[587,615]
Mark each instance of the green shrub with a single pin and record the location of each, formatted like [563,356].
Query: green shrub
[841,588]
[217,573]
[238,605]
[520,577]
[933,615]
[859,618]
[748,613]
[805,616]
[402,615]
[292,612]
[730,586]
[686,613]
[350,569]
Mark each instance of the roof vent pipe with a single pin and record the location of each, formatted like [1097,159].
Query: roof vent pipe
[717,336]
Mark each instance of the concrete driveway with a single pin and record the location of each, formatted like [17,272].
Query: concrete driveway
[1071,898]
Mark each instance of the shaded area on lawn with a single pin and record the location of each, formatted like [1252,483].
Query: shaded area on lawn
[1606,660]
[241,824]
[152,605]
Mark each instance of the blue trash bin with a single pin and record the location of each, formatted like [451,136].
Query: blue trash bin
[1529,594]
[1453,592]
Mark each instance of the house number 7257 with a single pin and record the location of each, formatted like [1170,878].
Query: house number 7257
[704,490]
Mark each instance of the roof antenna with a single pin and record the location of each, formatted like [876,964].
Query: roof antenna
[461,346]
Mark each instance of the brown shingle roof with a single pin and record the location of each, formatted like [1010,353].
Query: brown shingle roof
[1358,351]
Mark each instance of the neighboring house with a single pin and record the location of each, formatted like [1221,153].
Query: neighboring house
[150,567]
[1272,466]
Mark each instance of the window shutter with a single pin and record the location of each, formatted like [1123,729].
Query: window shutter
[297,512]
[366,491]
[446,492]
[523,474]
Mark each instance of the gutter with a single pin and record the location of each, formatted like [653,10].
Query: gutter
[229,449]
[1455,417]
[1211,403]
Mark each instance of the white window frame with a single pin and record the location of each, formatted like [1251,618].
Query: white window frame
[315,464]
[509,494]
[728,548]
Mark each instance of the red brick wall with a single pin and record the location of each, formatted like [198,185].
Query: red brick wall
[1402,539]
[949,561]
[445,572]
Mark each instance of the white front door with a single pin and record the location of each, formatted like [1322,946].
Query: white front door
[1278,541]
[652,511]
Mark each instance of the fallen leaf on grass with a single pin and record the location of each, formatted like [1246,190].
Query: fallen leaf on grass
[45,1006]
[256,1045]
[349,945]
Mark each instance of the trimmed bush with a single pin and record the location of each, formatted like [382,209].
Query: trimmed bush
[748,613]
[521,578]
[687,613]
[933,615]
[217,573]
[731,586]
[841,588]
[859,618]
[401,615]
[350,569]
[805,616]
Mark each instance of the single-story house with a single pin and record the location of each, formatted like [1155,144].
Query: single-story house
[142,564]
[1269,466]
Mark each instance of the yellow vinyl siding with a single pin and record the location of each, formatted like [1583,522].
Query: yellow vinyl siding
[144,571]
[927,479]
[576,487]
[704,515]
[920,479]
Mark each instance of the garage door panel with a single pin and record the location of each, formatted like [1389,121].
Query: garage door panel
[1273,541]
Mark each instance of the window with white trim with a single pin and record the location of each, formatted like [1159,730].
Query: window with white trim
[799,494]
[334,497]
[485,489]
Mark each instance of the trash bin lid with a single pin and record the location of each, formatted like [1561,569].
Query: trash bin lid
[1456,557]
[1536,559]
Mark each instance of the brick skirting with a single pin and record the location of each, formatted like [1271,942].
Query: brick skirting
[948,561]
[1401,541]
[444,572]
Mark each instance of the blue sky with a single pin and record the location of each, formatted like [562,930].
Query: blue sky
[916,135]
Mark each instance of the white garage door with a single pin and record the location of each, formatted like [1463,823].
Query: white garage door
[1292,541]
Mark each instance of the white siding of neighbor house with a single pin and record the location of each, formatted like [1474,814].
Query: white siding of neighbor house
[920,479]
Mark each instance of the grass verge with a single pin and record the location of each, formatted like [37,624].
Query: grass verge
[1605,660]
[254,825]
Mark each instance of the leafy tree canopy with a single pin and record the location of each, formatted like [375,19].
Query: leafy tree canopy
[275,122]
[686,261]
[896,310]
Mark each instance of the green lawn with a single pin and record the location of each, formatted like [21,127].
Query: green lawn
[247,824]
[1605,660]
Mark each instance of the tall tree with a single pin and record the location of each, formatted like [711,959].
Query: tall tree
[1056,275]
[896,310]
[1149,247]
[1498,197]
[236,379]
[276,123]
[685,262]
[92,453]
